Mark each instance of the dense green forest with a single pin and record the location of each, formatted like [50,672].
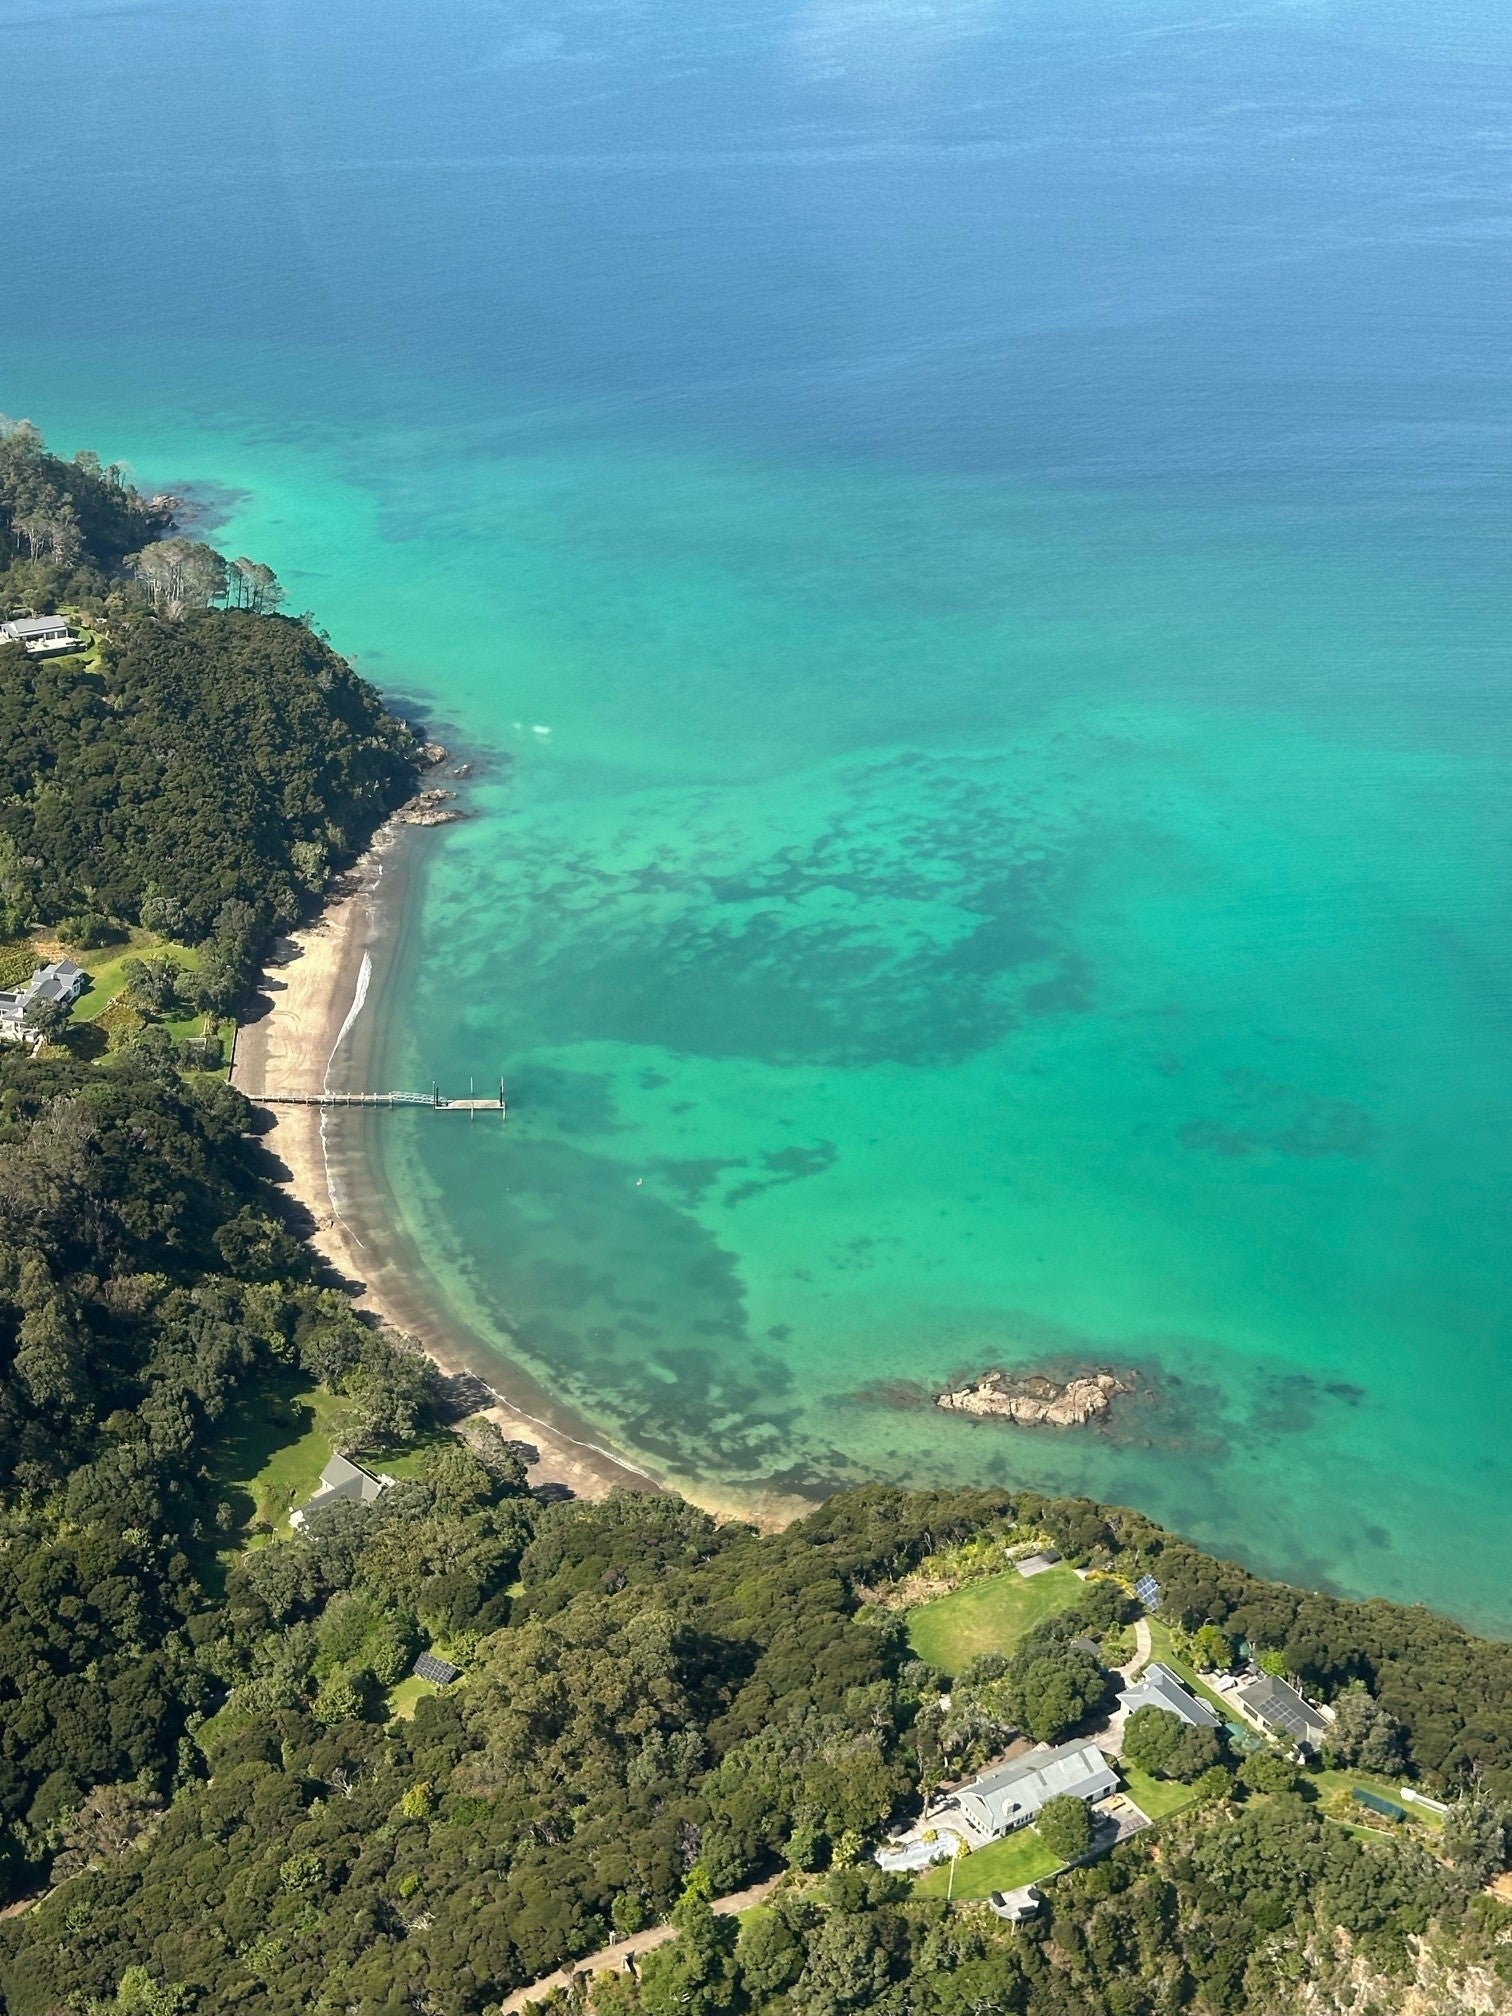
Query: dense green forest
[215,1795]
[208,766]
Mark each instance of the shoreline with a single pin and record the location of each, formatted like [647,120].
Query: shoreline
[318,980]
[324,984]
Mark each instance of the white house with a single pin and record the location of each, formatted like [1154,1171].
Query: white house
[38,635]
[1011,1795]
[999,1801]
[61,980]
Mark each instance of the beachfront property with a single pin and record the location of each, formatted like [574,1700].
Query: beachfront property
[39,635]
[342,1482]
[1278,1710]
[1158,1687]
[59,980]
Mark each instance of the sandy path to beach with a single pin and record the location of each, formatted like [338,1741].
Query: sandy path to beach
[313,980]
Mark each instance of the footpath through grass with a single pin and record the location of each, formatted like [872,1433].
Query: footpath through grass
[990,1614]
[1003,1865]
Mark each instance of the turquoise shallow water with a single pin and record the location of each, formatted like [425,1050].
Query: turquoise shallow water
[968,549]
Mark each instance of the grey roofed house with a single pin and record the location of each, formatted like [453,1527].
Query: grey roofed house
[342,1482]
[38,633]
[61,980]
[1159,1687]
[1011,1795]
[1281,1710]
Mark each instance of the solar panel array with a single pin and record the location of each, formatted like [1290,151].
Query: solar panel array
[1147,1589]
[441,1671]
[1292,1716]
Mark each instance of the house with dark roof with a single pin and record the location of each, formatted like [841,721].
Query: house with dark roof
[342,1482]
[1158,1687]
[38,635]
[1278,1709]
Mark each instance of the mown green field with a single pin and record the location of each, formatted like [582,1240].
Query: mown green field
[107,969]
[1004,1865]
[988,1615]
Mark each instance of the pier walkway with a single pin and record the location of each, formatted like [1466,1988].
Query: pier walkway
[434,1099]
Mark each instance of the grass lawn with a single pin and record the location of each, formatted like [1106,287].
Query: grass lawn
[411,1461]
[1005,1865]
[406,1695]
[275,1444]
[107,974]
[270,1458]
[988,1615]
[1159,1797]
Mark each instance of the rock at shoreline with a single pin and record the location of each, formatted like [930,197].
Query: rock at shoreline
[1033,1401]
[429,808]
[433,753]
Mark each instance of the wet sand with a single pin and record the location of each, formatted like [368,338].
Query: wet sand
[314,980]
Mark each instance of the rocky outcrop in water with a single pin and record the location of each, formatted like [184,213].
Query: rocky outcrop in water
[1034,1401]
[429,808]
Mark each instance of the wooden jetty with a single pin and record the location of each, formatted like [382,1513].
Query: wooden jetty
[434,1099]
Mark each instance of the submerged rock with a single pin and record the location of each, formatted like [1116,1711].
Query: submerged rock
[1034,1401]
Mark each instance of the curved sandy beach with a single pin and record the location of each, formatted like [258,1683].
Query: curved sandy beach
[316,981]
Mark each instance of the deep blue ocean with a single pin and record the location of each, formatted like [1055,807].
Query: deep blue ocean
[968,545]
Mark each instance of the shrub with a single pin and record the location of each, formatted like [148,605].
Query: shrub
[1267,1771]
[1065,1827]
[1150,1737]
